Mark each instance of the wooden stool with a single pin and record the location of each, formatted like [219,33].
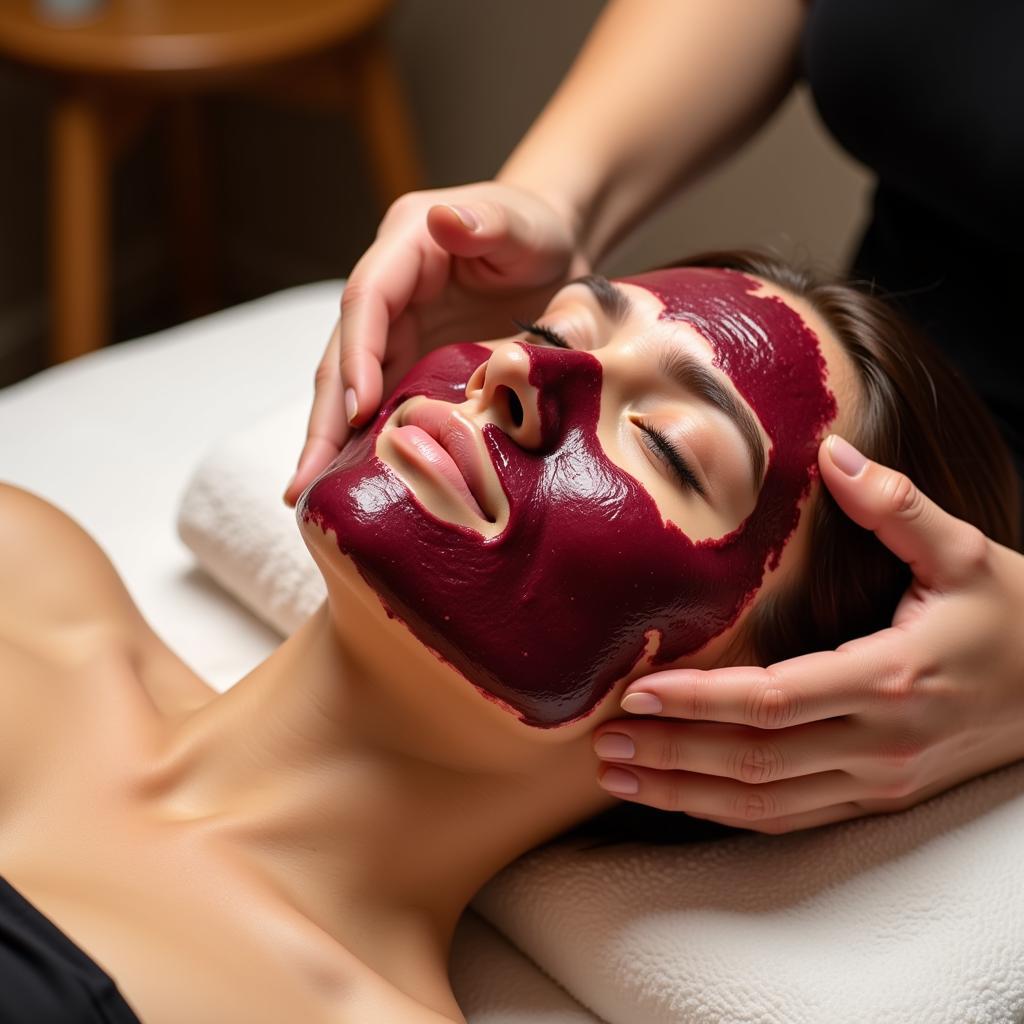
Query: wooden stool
[133,58]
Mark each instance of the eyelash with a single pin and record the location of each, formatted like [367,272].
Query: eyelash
[655,439]
[543,332]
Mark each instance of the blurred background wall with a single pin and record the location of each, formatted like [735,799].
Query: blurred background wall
[291,198]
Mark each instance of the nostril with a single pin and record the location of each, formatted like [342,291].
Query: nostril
[515,407]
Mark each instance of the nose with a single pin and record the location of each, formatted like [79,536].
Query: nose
[507,398]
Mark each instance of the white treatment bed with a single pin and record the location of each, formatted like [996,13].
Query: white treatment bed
[915,918]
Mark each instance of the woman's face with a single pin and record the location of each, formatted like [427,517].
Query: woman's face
[555,512]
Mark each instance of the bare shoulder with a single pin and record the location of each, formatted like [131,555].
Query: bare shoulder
[67,619]
[54,576]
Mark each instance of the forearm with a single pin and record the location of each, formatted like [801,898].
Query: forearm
[661,89]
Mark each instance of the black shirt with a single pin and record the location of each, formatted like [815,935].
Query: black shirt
[44,977]
[929,94]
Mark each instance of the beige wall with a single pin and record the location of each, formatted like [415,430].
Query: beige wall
[292,202]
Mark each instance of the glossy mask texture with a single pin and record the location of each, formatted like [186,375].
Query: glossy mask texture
[547,616]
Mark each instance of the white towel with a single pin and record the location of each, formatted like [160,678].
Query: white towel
[910,918]
[243,534]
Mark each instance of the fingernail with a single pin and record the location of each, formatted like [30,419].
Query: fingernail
[351,404]
[615,780]
[468,217]
[614,744]
[641,704]
[845,456]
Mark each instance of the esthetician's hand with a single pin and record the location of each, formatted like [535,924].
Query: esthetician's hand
[879,724]
[454,264]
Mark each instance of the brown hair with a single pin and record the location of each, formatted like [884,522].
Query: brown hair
[917,415]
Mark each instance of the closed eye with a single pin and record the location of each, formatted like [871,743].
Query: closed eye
[659,443]
[543,332]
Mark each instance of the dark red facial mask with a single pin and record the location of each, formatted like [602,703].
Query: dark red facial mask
[550,614]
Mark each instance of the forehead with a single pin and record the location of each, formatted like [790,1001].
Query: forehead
[718,322]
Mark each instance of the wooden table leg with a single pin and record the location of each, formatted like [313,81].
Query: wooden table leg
[384,121]
[79,226]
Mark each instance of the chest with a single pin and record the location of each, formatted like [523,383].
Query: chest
[187,930]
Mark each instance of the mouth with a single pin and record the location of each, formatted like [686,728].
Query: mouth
[448,448]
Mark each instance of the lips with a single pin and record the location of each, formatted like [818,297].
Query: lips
[451,445]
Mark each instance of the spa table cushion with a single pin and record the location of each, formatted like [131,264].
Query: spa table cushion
[112,439]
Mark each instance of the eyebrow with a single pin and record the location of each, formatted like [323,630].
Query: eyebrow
[692,375]
[614,302]
[686,371]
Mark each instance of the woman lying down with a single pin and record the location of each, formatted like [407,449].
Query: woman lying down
[529,524]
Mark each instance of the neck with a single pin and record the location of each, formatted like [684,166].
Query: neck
[378,825]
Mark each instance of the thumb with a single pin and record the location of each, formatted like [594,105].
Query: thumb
[483,228]
[939,548]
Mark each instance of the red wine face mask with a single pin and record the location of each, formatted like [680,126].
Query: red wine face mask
[548,615]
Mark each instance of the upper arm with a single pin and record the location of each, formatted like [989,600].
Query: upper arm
[53,575]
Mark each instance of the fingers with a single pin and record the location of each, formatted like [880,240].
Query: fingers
[459,229]
[327,430]
[940,549]
[793,822]
[370,301]
[752,756]
[775,805]
[403,266]
[808,688]
[495,234]
[509,241]
[403,350]
[513,241]
[400,268]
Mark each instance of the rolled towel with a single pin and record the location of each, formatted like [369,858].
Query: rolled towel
[233,519]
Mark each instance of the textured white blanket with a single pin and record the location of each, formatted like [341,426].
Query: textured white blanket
[913,918]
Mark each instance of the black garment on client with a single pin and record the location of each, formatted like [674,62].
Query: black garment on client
[45,978]
[930,95]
